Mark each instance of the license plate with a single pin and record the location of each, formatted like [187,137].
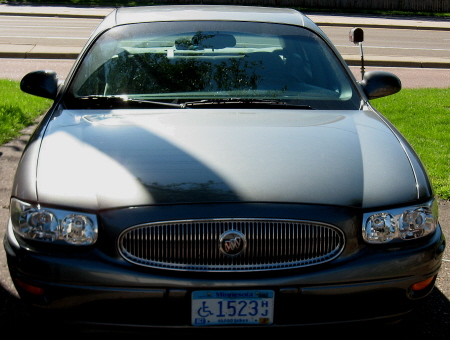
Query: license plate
[232,307]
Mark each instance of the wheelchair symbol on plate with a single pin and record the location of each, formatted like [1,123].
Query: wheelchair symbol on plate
[204,311]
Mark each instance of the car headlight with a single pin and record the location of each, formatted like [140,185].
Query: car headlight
[53,225]
[401,223]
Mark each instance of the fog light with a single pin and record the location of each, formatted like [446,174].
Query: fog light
[422,284]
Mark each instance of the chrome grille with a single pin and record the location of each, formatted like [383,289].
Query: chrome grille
[194,245]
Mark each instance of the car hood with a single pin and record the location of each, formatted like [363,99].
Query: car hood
[108,159]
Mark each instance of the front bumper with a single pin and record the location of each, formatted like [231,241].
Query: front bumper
[171,307]
[93,288]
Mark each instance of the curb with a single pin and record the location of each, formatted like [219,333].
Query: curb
[354,60]
[408,27]
[351,60]
[58,15]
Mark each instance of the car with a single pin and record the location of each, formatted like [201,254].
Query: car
[209,166]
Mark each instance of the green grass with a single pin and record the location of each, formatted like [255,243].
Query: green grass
[17,109]
[423,117]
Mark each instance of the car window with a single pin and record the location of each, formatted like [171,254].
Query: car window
[185,61]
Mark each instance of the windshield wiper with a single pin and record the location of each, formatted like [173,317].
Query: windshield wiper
[245,103]
[110,102]
[122,101]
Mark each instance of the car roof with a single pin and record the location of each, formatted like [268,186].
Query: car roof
[128,15]
[141,14]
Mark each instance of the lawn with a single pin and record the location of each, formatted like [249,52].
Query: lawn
[17,109]
[421,115]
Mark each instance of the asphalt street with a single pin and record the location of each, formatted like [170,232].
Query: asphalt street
[409,57]
[433,320]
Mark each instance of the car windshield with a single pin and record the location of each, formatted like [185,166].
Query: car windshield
[211,62]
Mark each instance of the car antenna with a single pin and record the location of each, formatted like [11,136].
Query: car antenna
[357,37]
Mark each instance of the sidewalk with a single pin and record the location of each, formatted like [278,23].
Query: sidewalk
[321,19]
[53,11]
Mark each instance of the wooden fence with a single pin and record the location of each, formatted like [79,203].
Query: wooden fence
[402,5]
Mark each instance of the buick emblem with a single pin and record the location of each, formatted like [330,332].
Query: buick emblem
[232,243]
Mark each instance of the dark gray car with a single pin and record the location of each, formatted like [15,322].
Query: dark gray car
[219,166]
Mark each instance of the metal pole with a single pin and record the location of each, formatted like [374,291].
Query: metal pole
[362,59]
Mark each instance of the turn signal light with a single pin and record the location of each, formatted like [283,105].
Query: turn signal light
[29,288]
[422,284]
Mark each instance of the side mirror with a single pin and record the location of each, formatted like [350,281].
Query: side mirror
[40,83]
[377,84]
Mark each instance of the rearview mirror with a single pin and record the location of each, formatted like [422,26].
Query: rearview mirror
[40,83]
[377,84]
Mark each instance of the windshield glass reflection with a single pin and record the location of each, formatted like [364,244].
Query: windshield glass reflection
[184,61]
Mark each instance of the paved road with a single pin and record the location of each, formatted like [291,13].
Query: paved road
[390,41]
[27,31]
[396,43]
